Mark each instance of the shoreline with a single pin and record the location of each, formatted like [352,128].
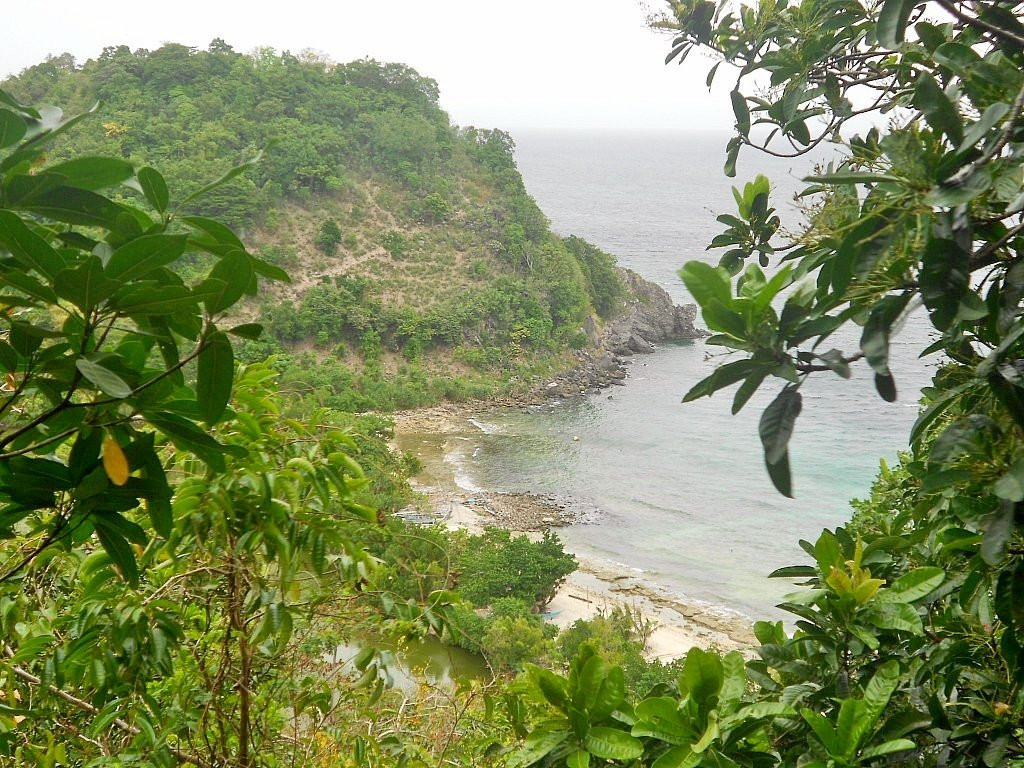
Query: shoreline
[678,624]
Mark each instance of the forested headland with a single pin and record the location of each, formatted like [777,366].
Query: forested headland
[421,269]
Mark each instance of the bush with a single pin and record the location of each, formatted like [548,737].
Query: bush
[500,565]
[328,237]
[394,243]
[510,642]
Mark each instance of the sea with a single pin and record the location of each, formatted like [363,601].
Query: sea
[681,495]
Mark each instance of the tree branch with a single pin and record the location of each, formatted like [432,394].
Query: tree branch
[85,706]
[973,21]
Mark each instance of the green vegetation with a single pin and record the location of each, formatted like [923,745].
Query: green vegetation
[165,529]
[180,557]
[411,242]
[182,552]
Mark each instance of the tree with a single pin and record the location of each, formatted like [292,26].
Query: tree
[161,544]
[99,334]
[328,237]
[908,643]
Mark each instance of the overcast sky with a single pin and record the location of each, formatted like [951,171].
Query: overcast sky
[512,65]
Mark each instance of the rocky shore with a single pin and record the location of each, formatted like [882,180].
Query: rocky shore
[649,317]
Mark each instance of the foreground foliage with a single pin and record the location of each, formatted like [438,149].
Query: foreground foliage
[168,538]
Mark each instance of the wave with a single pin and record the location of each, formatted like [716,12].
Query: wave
[486,428]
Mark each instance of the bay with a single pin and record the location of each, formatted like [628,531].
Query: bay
[683,496]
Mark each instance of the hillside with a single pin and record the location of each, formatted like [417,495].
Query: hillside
[421,267]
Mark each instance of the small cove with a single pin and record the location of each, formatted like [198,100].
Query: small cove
[683,496]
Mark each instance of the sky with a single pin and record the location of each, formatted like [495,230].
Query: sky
[570,64]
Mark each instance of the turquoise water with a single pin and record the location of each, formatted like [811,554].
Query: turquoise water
[681,489]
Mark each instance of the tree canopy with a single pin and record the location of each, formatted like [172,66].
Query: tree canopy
[366,180]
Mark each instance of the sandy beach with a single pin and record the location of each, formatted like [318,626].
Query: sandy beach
[596,586]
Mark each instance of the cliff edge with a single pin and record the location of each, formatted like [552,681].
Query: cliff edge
[648,317]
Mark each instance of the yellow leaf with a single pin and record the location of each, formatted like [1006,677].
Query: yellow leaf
[115,463]
[839,581]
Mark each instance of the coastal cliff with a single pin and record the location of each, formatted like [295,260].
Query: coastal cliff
[648,317]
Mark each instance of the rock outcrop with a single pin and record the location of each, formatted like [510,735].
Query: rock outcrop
[648,317]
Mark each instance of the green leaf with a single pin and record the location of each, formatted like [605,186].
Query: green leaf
[944,280]
[227,282]
[270,271]
[28,285]
[998,533]
[892,21]
[994,755]
[551,686]
[142,255]
[578,759]
[897,616]
[741,112]
[679,757]
[118,548]
[780,475]
[659,717]
[612,744]
[247,331]
[913,585]
[793,572]
[93,172]
[536,747]
[105,380]
[723,376]
[938,109]
[586,682]
[763,709]
[79,206]
[702,676]
[989,119]
[12,128]
[154,188]
[747,389]
[885,385]
[705,283]
[27,247]
[188,437]
[85,286]
[216,370]
[731,155]
[874,340]
[828,552]
[711,74]
[777,422]
[880,689]
[852,177]
[610,695]
[1009,597]
[216,233]
[231,174]
[822,729]
[949,195]
[147,300]
[8,357]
